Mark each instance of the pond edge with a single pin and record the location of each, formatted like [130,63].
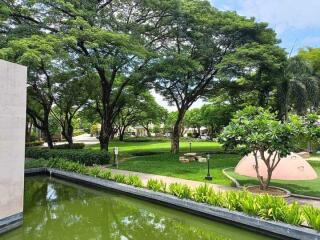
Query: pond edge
[271,228]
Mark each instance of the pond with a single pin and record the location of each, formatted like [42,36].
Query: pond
[56,209]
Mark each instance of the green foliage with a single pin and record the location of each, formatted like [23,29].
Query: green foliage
[156,185]
[72,146]
[34,143]
[232,200]
[120,178]
[134,181]
[258,130]
[202,193]
[95,171]
[105,174]
[312,216]
[180,190]
[84,156]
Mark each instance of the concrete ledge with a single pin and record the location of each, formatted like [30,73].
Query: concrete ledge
[11,222]
[271,228]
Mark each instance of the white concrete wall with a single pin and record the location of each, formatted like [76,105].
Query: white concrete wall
[12,137]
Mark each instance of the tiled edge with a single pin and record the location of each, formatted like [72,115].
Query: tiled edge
[11,222]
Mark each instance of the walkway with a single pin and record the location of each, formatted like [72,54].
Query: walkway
[168,180]
[193,184]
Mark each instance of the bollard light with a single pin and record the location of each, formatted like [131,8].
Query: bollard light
[208,177]
[115,154]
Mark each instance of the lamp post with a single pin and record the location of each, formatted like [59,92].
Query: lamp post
[208,177]
[190,147]
[115,156]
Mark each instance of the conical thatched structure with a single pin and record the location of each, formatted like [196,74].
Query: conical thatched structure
[292,167]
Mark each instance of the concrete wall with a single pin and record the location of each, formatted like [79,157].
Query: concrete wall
[12,138]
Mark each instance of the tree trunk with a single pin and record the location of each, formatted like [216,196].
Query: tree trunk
[46,130]
[176,132]
[105,133]
[121,134]
[148,132]
[48,137]
[67,132]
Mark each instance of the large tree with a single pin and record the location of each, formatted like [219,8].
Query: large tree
[71,93]
[201,38]
[38,53]
[113,39]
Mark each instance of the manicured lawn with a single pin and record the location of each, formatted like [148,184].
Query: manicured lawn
[159,146]
[308,187]
[167,164]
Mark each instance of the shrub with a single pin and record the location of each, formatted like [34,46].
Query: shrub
[312,216]
[105,174]
[271,207]
[180,190]
[36,163]
[202,193]
[72,146]
[95,171]
[34,143]
[120,178]
[156,185]
[83,156]
[135,181]
[232,200]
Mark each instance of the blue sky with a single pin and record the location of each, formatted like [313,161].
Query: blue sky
[297,22]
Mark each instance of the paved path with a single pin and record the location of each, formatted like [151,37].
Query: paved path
[193,184]
[168,180]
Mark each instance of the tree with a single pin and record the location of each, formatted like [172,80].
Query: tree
[201,37]
[257,130]
[312,131]
[193,119]
[299,88]
[215,117]
[37,52]
[72,92]
[260,67]
[116,40]
[312,57]
[153,114]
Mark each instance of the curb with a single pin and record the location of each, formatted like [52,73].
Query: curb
[289,194]
[271,228]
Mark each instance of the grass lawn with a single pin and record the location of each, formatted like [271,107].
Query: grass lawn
[167,164]
[159,146]
[307,187]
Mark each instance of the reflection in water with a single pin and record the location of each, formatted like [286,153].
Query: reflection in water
[55,209]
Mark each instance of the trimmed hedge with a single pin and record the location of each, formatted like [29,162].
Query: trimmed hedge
[83,156]
[34,143]
[67,146]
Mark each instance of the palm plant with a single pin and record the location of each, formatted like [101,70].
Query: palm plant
[299,89]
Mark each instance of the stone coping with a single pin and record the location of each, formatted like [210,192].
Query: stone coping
[275,229]
[11,222]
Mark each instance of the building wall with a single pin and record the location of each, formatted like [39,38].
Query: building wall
[12,138]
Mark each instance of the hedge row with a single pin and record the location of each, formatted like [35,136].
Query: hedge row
[263,206]
[34,143]
[83,156]
[72,146]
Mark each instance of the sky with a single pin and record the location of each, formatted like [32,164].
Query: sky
[296,22]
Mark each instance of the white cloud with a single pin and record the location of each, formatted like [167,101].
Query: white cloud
[283,14]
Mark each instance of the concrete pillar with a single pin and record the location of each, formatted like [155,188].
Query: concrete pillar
[12,143]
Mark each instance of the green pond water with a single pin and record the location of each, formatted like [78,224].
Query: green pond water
[55,209]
